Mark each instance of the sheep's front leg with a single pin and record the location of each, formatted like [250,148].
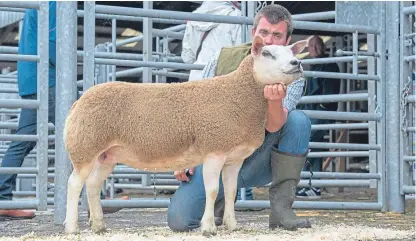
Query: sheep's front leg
[229,179]
[211,171]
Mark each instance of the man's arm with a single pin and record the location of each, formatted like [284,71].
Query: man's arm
[280,102]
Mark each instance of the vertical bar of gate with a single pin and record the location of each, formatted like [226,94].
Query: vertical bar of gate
[66,92]
[89,44]
[355,51]
[404,74]
[147,43]
[42,113]
[395,201]
[380,107]
[113,45]
[372,135]
[88,63]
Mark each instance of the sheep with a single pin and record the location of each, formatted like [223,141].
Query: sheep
[217,122]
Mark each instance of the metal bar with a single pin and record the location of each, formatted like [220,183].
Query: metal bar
[349,146]
[360,54]
[8,90]
[13,137]
[152,64]
[411,98]
[129,72]
[66,94]
[409,158]
[167,34]
[409,189]
[19,103]
[140,38]
[314,205]
[43,98]
[331,60]
[334,98]
[6,9]
[340,126]
[17,170]
[334,75]
[355,50]
[28,193]
[409,10]
[8,81]
[147,43]
[171,74]
[9,49]
[410,58]
[163,203]
[113,46]
[341,175]
[380,107]
[89,44]
[20,4]
[339,154]
[227,19]
[395,201]
[14,125]
[80,13]
[411,129]
[19,57]
[333,115]
[17,204]
[314,16]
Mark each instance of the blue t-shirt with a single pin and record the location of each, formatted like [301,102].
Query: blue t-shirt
[27,71]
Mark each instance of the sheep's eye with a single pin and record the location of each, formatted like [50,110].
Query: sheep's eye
[267,54]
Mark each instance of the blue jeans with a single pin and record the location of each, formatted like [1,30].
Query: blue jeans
[187,206]
[18,150]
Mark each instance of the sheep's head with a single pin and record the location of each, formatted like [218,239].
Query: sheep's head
[275,64]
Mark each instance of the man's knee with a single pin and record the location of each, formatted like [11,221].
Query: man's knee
[179,217]
[298,121]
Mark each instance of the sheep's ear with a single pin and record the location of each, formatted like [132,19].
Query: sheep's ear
[299,46]
[256,46]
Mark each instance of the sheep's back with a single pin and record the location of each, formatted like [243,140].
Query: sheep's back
[146,118]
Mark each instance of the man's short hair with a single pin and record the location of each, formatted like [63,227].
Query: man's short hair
[274,14]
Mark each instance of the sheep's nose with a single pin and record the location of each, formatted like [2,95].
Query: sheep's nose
[295,63]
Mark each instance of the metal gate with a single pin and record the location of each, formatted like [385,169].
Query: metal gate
[389,64]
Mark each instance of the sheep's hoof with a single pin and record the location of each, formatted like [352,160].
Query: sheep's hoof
[97,228]
[231,225]
[209,231]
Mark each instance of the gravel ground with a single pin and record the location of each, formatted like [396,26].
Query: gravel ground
[150,224]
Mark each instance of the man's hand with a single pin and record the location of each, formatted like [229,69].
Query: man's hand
[275,92]
[181,175]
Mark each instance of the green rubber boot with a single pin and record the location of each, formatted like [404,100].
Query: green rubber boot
[286,171]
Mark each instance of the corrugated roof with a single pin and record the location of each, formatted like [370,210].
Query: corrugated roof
[7,18]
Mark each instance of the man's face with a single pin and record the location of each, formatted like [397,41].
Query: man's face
[272,34]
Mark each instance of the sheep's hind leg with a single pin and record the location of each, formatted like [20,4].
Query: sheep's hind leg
[211,172]
[229,179]
[75,183]
[99,173]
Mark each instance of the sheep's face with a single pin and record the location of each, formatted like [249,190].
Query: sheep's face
[275,64]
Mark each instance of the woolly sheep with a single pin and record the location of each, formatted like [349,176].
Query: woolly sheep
[164,127]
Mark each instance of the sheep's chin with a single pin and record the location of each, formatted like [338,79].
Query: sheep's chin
[280,79]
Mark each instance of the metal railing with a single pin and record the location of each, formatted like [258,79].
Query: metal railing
[99,64]
[41,104]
